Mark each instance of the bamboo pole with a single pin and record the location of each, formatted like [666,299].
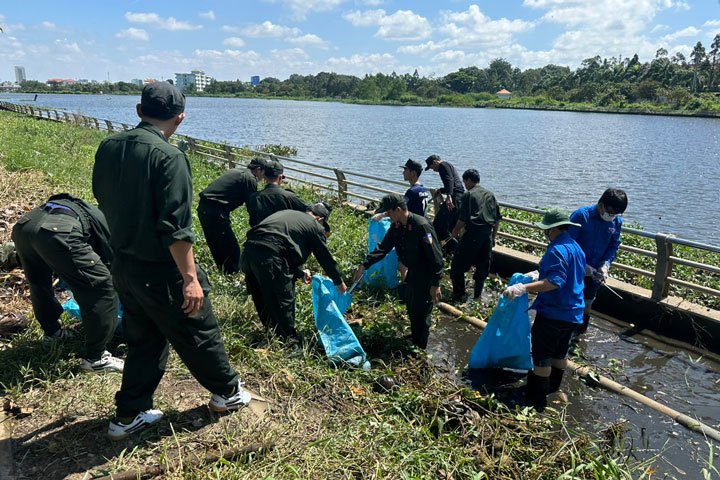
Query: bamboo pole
[588,373]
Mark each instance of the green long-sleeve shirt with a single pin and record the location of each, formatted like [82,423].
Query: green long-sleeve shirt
[295,235]
[143,185]
[273,198]
[417,248]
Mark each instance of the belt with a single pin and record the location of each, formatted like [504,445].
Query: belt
[57,209]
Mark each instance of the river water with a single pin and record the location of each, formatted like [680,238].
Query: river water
[669,166]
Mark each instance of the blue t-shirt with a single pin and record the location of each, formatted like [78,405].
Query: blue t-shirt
[562,265]
[598,239]
[417,198]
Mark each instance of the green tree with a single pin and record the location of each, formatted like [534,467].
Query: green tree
[714,53]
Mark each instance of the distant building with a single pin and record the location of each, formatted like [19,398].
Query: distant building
[20,75]
[255,80]
[195,78]
[9,87]
[504,94]
[137,82]
[58,82]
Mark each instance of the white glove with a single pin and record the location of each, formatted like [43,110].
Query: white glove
[590,271]
[535,275]
[605,272]
[514,291]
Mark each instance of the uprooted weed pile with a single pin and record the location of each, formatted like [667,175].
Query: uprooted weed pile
[318,421]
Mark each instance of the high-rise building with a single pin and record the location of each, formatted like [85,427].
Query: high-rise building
[20,75]
[195,78]
[255,80]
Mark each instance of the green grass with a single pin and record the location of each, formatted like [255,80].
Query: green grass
[324,422]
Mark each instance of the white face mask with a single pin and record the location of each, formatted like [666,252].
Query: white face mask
[608,217]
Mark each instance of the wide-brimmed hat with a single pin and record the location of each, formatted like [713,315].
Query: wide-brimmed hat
[554,218]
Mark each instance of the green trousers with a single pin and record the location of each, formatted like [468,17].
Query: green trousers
[51,242]
[152,296]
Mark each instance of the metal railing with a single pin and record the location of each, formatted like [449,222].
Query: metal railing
[347,184]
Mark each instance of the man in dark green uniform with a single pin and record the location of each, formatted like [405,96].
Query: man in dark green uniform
[480,218]
[69,237]
[230,191]
[144,187]
[273,257]
[273,197]
[418,249]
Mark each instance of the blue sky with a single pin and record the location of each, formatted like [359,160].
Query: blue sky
[121,40]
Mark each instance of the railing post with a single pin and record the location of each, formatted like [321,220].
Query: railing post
[65,116]
[230,156]
[342,185]
[109,125]
[97,124]
[663,266]
[192,146]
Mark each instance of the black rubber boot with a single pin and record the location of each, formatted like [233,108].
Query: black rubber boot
[556,375]
[477,292]
[536,393]
[584,326]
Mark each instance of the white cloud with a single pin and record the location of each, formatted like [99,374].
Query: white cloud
[68,46]
[236,42]
[372,3]
[450,55]
[133,34]
[230,29]
[682,6]
[712,23]
[269,29]
[361,64]
[473,27]
[685,32]
[420,49]
[310,40]
[301,8]
[48,25]
[170,23]
[210,15]
[402,25]
[660,28]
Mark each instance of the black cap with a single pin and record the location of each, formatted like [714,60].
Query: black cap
[391,202]
[161,100]
[413,165]
[430,160]
[257,162]
[322,210]
[273,168]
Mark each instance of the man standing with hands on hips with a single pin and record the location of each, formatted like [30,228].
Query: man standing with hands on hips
[418,249]
[143,186]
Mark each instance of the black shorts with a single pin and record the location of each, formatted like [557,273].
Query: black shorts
[550,339]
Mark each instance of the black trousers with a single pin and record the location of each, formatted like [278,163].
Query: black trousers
[52,242]
[474,249]
[419,306]
[221,240]
[445,219]
[153,319]
[272,287]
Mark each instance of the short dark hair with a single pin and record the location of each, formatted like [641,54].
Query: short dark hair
[615,199]
[472,175]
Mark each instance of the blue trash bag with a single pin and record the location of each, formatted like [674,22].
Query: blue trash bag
[383,274]
[341,345]
[505,342]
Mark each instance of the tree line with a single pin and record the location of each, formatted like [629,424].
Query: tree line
[676,81]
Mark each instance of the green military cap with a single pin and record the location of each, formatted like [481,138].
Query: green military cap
[554,218]
[161,100]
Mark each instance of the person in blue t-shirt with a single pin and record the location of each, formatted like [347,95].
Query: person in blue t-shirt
[417,197]
[559,306]
[598,234]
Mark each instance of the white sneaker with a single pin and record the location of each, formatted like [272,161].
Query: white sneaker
[107,363]
[222,404]
[120,431]
[61,334]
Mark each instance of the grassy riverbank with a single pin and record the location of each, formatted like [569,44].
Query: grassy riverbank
[322,422]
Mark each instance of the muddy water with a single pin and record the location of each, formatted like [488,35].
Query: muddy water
[669,375]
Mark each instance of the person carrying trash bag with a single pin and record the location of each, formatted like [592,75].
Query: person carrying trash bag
[224,195]
[559,306]
[273,257]
[70,238]
[417,247]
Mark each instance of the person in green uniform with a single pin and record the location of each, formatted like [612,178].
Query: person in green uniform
[418,249]
[143,186]
[230,191]
[69,237]
[479,219]
[273,257]
[273,197]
